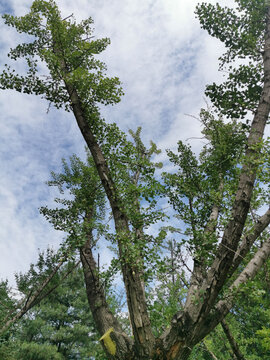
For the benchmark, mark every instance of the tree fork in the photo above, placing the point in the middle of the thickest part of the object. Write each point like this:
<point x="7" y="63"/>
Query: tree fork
<point x="223" y="307"/>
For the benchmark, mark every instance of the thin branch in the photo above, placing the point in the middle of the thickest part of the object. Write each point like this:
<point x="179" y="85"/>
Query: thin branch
<point x="69" y="16"/>
<point x="57" y="285"/>
<point x="249" y="240"/>
<point x="30" y="301"/>
<point x="205" y="347"/>
<point x="235" y="348"/>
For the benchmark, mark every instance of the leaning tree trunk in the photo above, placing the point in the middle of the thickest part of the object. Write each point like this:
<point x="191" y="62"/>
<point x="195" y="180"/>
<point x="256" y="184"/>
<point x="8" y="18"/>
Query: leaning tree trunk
<point x="141" y="327"/>
<point x="144" y="340"/>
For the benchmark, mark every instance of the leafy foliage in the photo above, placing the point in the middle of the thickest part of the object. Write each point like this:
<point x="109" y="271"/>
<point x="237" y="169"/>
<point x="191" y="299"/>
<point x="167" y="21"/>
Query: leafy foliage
<point x="198" y="183"/>
<point x="60" y="327"/>
<point x="85" y="195"/>
<point x="120" y="171"/>
<point x="242" y="32"/>
<point x="75" y="43"/>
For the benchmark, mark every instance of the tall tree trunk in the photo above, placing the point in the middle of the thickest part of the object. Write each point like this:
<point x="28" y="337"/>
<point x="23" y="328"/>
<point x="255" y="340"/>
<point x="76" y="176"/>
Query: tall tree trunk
<point x="140" y="321"/>
<point x="141" y="326"/>
<point x="218" y="272"/>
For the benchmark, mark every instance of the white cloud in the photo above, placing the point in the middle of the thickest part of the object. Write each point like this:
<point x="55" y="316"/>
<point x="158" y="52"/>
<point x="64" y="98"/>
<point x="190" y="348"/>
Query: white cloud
<point x="164" y="61"/>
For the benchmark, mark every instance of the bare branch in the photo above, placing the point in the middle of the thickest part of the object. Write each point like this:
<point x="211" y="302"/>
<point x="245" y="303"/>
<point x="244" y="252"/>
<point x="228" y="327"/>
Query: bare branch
<point x="69" y="16"/>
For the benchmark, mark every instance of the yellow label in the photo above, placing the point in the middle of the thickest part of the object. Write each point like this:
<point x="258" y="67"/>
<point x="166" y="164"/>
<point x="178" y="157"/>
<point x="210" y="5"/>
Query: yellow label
<point x="108" y="342"/>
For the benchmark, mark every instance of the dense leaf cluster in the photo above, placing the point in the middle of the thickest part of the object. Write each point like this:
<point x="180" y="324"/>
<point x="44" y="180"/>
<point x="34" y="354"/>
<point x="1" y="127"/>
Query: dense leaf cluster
<point x="242" y="32"/>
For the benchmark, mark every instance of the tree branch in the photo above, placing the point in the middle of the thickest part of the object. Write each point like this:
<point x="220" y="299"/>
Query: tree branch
<point x="235" y="348"/>
<point x="249" y="240"/>
<point x="199" y="270"/>
<point x="223" y="307"/>
<point x="31" y="300"/>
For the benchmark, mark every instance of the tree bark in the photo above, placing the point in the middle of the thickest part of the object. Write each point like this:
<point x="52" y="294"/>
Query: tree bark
<point x="178" y="341"/>
<point x="249" y="240"/>
<point x="103" y="317"/>
<point x="223" y="306"/>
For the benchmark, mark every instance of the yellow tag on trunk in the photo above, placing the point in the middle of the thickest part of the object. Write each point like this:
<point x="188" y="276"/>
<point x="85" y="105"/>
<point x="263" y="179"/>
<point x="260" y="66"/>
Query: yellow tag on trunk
<point x="109" y="344"/>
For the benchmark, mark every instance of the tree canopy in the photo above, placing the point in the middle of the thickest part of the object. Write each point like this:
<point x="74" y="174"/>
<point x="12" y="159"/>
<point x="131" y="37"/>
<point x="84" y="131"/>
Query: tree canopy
<point x="219" y="199"/>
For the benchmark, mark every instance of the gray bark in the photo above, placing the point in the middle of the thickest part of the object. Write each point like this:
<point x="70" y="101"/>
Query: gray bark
<point x="102" y="315"/>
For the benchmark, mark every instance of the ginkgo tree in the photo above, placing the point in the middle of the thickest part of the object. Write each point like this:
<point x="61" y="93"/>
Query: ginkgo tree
<point x="219" y="196"/>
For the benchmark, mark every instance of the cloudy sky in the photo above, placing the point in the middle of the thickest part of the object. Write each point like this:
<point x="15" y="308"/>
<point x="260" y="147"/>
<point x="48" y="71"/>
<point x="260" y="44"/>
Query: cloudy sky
<point x="164" y="61"/>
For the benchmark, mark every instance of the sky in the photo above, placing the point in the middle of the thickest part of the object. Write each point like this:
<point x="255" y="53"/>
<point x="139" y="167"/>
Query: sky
<point x="164" y="61"/>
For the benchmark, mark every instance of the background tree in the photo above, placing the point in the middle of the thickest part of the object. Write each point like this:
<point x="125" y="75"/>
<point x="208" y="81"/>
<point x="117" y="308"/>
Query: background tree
<point x="218" y="196"/>
<point x="61" y="325"/>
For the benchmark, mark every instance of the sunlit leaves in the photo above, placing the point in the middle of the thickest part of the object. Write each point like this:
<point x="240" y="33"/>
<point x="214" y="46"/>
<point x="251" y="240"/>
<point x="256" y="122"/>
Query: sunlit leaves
<point x="201" y="182"/>
<point x="55" y="42"/>
<point x="82" y="209"/>
<point x="242" y="32"/>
